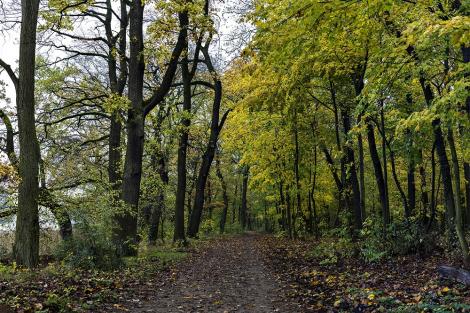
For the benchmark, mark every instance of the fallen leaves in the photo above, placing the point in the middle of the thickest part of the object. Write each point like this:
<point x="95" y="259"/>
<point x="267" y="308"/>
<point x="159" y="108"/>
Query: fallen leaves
<point x="405" y="284"/>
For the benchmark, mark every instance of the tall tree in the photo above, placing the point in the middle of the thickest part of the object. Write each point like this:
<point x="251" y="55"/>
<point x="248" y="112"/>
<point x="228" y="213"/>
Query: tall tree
<point x="26" y="248"/>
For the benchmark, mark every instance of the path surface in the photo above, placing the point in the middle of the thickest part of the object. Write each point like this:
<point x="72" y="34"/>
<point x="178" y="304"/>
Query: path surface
<point x="227" y="277"/>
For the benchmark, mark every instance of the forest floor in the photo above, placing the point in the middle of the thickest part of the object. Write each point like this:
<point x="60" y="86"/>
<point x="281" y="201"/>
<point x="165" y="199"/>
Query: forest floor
<point x="249" y="273"/>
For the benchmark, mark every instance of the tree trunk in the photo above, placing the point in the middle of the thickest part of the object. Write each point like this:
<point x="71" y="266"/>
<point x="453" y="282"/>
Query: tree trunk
<point x="397" y="181"/>
<point x="223" y="218"/>
<point x="297" y="174"/>
<point x="244" y="206"/>
<point x="423" y="188"/>
<point x="216" y="126"/>
<point x="411" y="183"/>
<point x="117" y="84"/>
<point x="466" y="166"/>
<point x="158" y="207"/>
<point x="26" y="248"/>
<point x="362" y="187"/>
<point x="179" y="235"/>
<point x="352" y="185"/>
<point x="458" y="208"/>
<point x="433" y="188"/>
<point x="442" y="156"/>
<point x="126" y="232"/>
<point x="445" y="173"/>
<point x="385" y="168"/>
<point x="234" y="203"/>
<point x="289" y="214"/>
<point x="379" y="178"/>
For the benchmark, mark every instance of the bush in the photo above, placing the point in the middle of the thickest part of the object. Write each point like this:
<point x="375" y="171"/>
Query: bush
<point x="208" y="226"/>
<point x="399" y="238"/>
<point x="89" y="249"/>
<point x="332" y="250"/>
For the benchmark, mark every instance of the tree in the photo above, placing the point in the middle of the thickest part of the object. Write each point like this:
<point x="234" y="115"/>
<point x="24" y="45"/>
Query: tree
<point x="26" y="248"/>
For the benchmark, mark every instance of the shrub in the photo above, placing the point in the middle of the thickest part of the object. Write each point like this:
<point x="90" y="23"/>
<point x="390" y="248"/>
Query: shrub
<point x="208" y="226"/>
<point x="89" y="249"/>
<point x="335" y="248"/>
<point x="399" y="238"/>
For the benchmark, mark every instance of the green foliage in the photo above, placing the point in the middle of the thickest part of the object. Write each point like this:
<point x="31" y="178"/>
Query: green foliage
<point x="90" y="248"/>
<point x="330" y="251"/>
<point x="208" y="226"/>
<point x="399" y="238"/>
<point x="56" y="303"/>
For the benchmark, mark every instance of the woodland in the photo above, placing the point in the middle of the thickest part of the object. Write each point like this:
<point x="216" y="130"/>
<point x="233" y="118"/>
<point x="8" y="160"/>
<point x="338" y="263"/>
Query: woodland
<point x="234" y="156"/>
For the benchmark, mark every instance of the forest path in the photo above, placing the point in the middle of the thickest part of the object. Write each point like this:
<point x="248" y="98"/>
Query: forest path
<point x="229" y="276"/>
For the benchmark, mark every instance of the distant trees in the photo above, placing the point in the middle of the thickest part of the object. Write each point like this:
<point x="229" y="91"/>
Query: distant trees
<point x="390" y="73"/>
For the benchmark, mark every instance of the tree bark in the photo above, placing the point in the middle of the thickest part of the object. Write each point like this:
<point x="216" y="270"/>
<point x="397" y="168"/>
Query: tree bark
<point x="117" y="84"/>
<point x="158" y="207"/>
<point x="223" y="218"/>
<point x="215" y="129"/>
<point x="458" y="208"/>
<point x="126" y="232"/>
<point x="466" y="166"/>
<point x="26" y="248"/>
<point x="179" y="235"/>
<point x="379" y="178"/>
<point x="352" y="185"/>
<point x="296" y="171"/>
<point x="411" y="182"/>
<point x="244" y="205"/>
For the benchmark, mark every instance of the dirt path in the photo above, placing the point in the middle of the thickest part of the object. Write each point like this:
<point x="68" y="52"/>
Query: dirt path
<point x="227" y="277"/>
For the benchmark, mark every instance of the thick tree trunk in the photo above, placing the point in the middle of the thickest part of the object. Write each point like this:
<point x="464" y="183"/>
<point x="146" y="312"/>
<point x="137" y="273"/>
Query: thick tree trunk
<point x="179" y="235"/>
<point x="26" y="248"/>
<point x="126" y="232"/>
